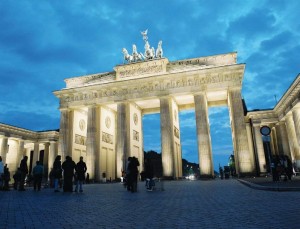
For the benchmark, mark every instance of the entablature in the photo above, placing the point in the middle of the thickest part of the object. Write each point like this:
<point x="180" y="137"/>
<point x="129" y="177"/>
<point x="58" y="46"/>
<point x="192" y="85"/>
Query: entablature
<point x="217" y="78"/>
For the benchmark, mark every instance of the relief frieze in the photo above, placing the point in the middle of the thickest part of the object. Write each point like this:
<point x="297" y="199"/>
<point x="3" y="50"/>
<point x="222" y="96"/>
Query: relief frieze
<point x="140" y="71"/>
<point x="199" y="81"/>
<point x="80" y="140"/>
<point x="108" y="138"/>
<point x="136" y="136"/>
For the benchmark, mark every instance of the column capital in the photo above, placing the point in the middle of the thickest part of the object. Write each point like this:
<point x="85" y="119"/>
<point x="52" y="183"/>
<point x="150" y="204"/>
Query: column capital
<point x="46" y="143"/>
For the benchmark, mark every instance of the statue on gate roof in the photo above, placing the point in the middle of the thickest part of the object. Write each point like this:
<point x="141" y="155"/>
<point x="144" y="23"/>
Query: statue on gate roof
<point x="149" y="53"/>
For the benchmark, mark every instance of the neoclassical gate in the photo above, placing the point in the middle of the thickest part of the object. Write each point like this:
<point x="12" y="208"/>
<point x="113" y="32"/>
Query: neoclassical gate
<point x="101" y="114"/>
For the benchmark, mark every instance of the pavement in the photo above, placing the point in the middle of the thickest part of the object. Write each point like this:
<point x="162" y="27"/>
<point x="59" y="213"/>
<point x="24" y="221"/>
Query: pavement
<point x="267" y="184"/>
<point x="174" y="204"/>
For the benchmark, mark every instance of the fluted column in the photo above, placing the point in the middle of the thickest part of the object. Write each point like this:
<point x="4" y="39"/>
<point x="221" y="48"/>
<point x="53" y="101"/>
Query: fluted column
<point x="240" y="142"/>
<point x="52" y="154"/>
<point x="292" y="137"/>
<point x="46" y="158"/>
<point x="4" y="148"/>
<point x="274" y="147"/>
<point x="20" y="152"/>
<point x="36" y="153"/>
<point x="282" y="141"/>
<point x="260" y="150"/>
<point x="203" y="136"/>
<point x="64" y="133"/>
<point x="122" y="138"/>
<point x="91" y="140"/>
<point x="296" y="118"/>
<point x="167" y="144"/>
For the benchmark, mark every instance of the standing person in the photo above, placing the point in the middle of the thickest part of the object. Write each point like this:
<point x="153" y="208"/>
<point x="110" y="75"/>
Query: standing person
<point x="133" y="170"/>
<point x="80" y="172"/>
<point x="1" y="173"/>
<point x="57" y="172"/>
<point x="149" y="173"/>
<point x="6" y="178"/>
<point x="68" y="167"/>
<point x="128" y="178"/>
<point x="37" y="173"/>
<point x="24" y="172"/>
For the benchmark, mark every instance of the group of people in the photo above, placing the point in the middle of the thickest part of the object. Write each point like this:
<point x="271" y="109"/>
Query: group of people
<point x="68" y="170"/>
<point x="132" y="172"/>
<point x="282" y="166"/>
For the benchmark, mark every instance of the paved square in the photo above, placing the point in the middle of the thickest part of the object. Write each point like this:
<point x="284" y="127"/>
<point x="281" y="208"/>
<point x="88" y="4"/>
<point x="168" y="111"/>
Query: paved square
<point x="183" y="204"/>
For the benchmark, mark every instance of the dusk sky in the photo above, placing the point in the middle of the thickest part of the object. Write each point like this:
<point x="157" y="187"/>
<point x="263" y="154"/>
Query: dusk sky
<point x="44" y="42"/>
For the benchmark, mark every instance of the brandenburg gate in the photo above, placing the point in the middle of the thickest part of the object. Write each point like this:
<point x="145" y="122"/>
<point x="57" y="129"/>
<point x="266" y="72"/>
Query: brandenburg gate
<point x="101" y="114"/>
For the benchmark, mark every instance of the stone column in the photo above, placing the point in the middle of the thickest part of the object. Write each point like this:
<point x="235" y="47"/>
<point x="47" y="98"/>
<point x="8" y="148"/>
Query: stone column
<point x="122" y="138"/>
<point x="46" y="159"/>
<point x="20" y="153"/>
<point x="203" y="136"/>
<point x="52" y="155"/>
<point x="274" y="147"/>
<point x="167" y="145"/>
<point x="260" y="150"/>
<point x="4" y="149"/>
<point x="244" y="164"/>
<point x="292" y="136"/>
<point x="36" y="153"/>
<point x="64" y="133"/>
<point x="282" y="140"/>
<point x="91" y="140"/>
<point x="296" y="118"/>
<point x="252" y="153"/>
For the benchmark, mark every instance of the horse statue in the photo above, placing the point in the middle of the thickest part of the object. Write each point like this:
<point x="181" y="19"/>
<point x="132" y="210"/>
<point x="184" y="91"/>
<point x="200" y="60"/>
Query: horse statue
<point x="149" y="52"/>
<point x="135" y="55"/>
<point x="127" y="57"/>
<point x="159" y="51"/>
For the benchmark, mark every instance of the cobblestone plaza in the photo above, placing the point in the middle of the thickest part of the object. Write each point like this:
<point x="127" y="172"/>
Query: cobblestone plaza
<point x="183" y="204"/>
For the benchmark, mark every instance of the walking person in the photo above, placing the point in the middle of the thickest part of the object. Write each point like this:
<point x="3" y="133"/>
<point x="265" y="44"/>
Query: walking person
<point x="37" y="173"/>
<point x="24" y="172"/>
<point x="68" y="167"/>
<point x="80" y="173"/>
<point x="1" y="173"/>
<point x="57" y="172"/>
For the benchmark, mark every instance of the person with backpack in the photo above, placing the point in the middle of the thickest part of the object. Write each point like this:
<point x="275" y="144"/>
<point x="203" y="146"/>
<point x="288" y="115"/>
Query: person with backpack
<point x="37" y="173"/>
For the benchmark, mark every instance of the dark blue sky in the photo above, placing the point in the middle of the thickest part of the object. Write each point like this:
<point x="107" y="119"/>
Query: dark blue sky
<point x="44" y="42"/>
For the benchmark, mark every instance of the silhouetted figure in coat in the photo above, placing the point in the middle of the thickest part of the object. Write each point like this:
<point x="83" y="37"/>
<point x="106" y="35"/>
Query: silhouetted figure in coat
<point x="149" y="173"/>
<point x="24" y="172"/>
<point x="133" y="173"/>
<point x="68" y="167"/>
<point x="57" y="172"/>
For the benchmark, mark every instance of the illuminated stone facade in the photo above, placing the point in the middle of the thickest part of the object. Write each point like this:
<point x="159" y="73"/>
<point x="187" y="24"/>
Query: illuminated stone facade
<point x="132" y="90"/>
<point x="16" y="142"/>
<point x="284" y="122"/>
